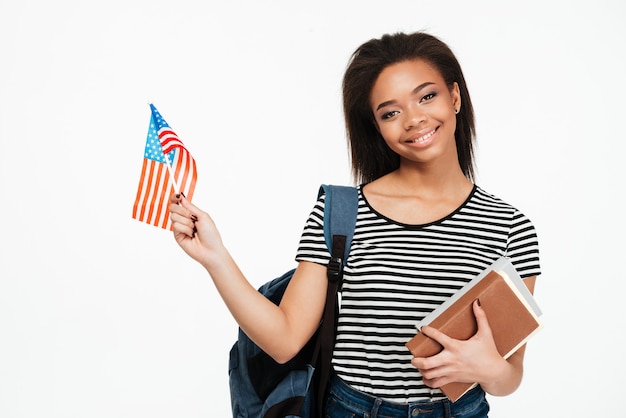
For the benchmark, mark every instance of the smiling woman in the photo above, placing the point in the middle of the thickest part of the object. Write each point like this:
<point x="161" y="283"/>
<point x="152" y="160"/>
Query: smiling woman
<point x="423" y="230"/>
<point x="410" y="71"/>
<point x="406" y="118"/>
<point x="415" y="113"/>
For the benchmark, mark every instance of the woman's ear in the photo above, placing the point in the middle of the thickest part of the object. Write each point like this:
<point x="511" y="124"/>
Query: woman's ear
<point x="455" y="93"/>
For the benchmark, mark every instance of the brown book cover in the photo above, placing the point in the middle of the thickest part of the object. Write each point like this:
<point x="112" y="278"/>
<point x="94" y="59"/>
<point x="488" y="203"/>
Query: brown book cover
<point x="511" y="318"/>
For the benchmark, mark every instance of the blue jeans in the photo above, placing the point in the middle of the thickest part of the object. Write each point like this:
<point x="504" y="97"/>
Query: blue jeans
<point x="345" y="402"/>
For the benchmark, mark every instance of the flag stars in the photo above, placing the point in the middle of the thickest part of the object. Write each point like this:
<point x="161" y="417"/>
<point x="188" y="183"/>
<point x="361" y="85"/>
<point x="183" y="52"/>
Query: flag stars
<point x="153" y="149"/>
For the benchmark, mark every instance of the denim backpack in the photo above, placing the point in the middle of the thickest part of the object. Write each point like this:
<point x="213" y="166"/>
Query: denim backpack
<point x="263" y="388"/>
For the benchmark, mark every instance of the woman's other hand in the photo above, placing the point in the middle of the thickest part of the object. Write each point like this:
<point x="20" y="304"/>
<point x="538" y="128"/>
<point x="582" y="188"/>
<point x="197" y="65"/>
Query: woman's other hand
<point x="473" y="360"/>
<point x="194" y="230"/>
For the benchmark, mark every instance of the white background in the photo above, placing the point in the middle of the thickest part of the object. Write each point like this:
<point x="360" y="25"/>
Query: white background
<point x="103" y="316"/>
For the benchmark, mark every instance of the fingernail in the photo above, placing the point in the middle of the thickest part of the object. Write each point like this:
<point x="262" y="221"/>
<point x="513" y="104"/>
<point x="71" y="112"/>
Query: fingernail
<point x="177" y="195"/>
<point x="183" y="195"/>
<point x="194" y="217"/>
<point x="478" y="301"/>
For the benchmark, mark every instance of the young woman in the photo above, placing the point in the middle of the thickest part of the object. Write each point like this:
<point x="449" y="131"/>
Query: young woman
<point x="423" y="230"/>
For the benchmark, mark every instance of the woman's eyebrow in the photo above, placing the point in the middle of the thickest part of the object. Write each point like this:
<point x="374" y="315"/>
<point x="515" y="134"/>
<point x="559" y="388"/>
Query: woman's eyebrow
<point x="415" y="91"/>
<point x="421" y="86"/>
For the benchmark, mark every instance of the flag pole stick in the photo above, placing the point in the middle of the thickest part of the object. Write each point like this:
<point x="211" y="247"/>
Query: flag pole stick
<point x="171" y="170"/>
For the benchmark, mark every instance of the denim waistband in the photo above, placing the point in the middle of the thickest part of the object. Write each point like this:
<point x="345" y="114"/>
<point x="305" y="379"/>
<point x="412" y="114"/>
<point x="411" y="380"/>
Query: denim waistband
<point x="377" y="407"/>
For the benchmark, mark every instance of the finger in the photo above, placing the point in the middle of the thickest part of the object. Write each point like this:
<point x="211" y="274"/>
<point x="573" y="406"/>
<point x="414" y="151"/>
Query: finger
<point x="431" y="374"/>
<point x="424" y="364"/>
<point x="193" y="211"/>
<point x="431" y="383"/>
<point x="183" y="225"/>
<point x="178" y="213"/>
<point x="182" y="218"/>
<point x="175" y="205"/>
<point x="436" y="335"/>
<point x="175" y="198"/>
<point x="481" y="317"/>
<point x="437" y="382"/>
<point x="180" y="205"/>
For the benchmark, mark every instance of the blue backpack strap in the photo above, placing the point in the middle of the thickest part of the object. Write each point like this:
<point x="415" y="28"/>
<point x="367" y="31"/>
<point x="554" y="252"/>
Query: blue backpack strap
<point x="340" y="211"/>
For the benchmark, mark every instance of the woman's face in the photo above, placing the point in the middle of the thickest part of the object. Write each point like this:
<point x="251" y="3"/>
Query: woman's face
<point x="414" y="111"/>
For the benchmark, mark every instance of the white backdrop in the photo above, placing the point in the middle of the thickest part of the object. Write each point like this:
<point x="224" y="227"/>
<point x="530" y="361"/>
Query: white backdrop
<point x="103" y="316"/>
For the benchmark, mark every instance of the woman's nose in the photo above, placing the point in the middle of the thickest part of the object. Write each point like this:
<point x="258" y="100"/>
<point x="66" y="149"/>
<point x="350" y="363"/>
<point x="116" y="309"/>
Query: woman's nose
<point x="413" y="117"/>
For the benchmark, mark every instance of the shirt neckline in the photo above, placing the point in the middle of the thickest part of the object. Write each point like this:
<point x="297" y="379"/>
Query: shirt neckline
<point x="435" y="222"/>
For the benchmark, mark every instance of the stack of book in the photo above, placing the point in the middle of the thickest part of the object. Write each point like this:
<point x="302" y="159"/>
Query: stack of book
<point x="511" y="310"/>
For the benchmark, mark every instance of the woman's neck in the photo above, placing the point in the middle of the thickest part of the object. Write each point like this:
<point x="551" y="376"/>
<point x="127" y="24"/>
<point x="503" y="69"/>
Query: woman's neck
<point x="416" y="196"/>
<point x="432" y="181"/>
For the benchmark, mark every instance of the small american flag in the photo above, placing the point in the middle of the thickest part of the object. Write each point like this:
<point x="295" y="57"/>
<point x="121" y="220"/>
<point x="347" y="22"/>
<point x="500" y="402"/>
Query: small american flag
<point x="155" y="184"/>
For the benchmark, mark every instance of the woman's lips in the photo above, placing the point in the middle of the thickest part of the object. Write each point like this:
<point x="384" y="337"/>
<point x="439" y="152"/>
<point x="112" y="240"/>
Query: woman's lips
<point x="422" y="138"/>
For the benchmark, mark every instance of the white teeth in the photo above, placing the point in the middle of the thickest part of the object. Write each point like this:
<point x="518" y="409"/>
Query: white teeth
<point x="424" y="138"/>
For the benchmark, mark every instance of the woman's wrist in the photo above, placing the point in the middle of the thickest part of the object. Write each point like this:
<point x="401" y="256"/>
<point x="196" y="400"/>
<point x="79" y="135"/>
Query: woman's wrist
<point x="503" y="379"/>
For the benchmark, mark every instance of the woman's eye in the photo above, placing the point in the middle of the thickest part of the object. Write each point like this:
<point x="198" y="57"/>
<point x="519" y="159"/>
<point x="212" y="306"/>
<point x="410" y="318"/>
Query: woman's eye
<point x="388" y="115"/>
<point x="428" y="97"/>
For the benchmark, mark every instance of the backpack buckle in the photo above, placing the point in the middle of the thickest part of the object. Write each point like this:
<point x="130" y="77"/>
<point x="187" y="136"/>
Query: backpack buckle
<point x="335" y="269"/>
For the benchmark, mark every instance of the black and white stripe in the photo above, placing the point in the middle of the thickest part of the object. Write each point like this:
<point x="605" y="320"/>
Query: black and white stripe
<point x="398" y="273"/>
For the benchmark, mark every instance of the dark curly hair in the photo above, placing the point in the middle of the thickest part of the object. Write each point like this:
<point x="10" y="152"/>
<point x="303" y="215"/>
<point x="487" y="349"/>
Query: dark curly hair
<point x="371" y="157"/>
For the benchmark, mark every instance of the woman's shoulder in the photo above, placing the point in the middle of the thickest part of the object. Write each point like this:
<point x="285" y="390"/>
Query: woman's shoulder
<point x="482" y="195"/>
<point x="380" y="186"/>
<point x="496" y="205"/>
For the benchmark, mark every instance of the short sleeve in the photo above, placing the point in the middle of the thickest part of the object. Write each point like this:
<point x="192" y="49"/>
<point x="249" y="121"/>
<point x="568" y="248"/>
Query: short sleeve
<point x="523" y="246"/>
<point x="312" y="246"/>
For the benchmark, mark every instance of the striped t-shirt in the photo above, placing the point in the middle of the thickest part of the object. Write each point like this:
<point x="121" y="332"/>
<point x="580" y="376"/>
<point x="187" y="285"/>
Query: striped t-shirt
<point x="397" y="273"/>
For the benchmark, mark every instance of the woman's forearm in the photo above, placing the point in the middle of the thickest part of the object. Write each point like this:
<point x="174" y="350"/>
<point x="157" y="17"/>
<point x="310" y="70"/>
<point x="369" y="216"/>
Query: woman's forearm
<point x="271" y="327"/>
<point x="506" y="376"/>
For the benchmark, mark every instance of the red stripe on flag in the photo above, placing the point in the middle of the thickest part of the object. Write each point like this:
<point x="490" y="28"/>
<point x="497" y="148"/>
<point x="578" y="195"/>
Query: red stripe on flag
<point x="153" y="195"/>
<point x="146" y="191"/>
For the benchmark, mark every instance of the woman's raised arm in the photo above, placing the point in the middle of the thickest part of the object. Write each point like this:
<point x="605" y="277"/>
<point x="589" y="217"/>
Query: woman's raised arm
<point x="281" y="331"/>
